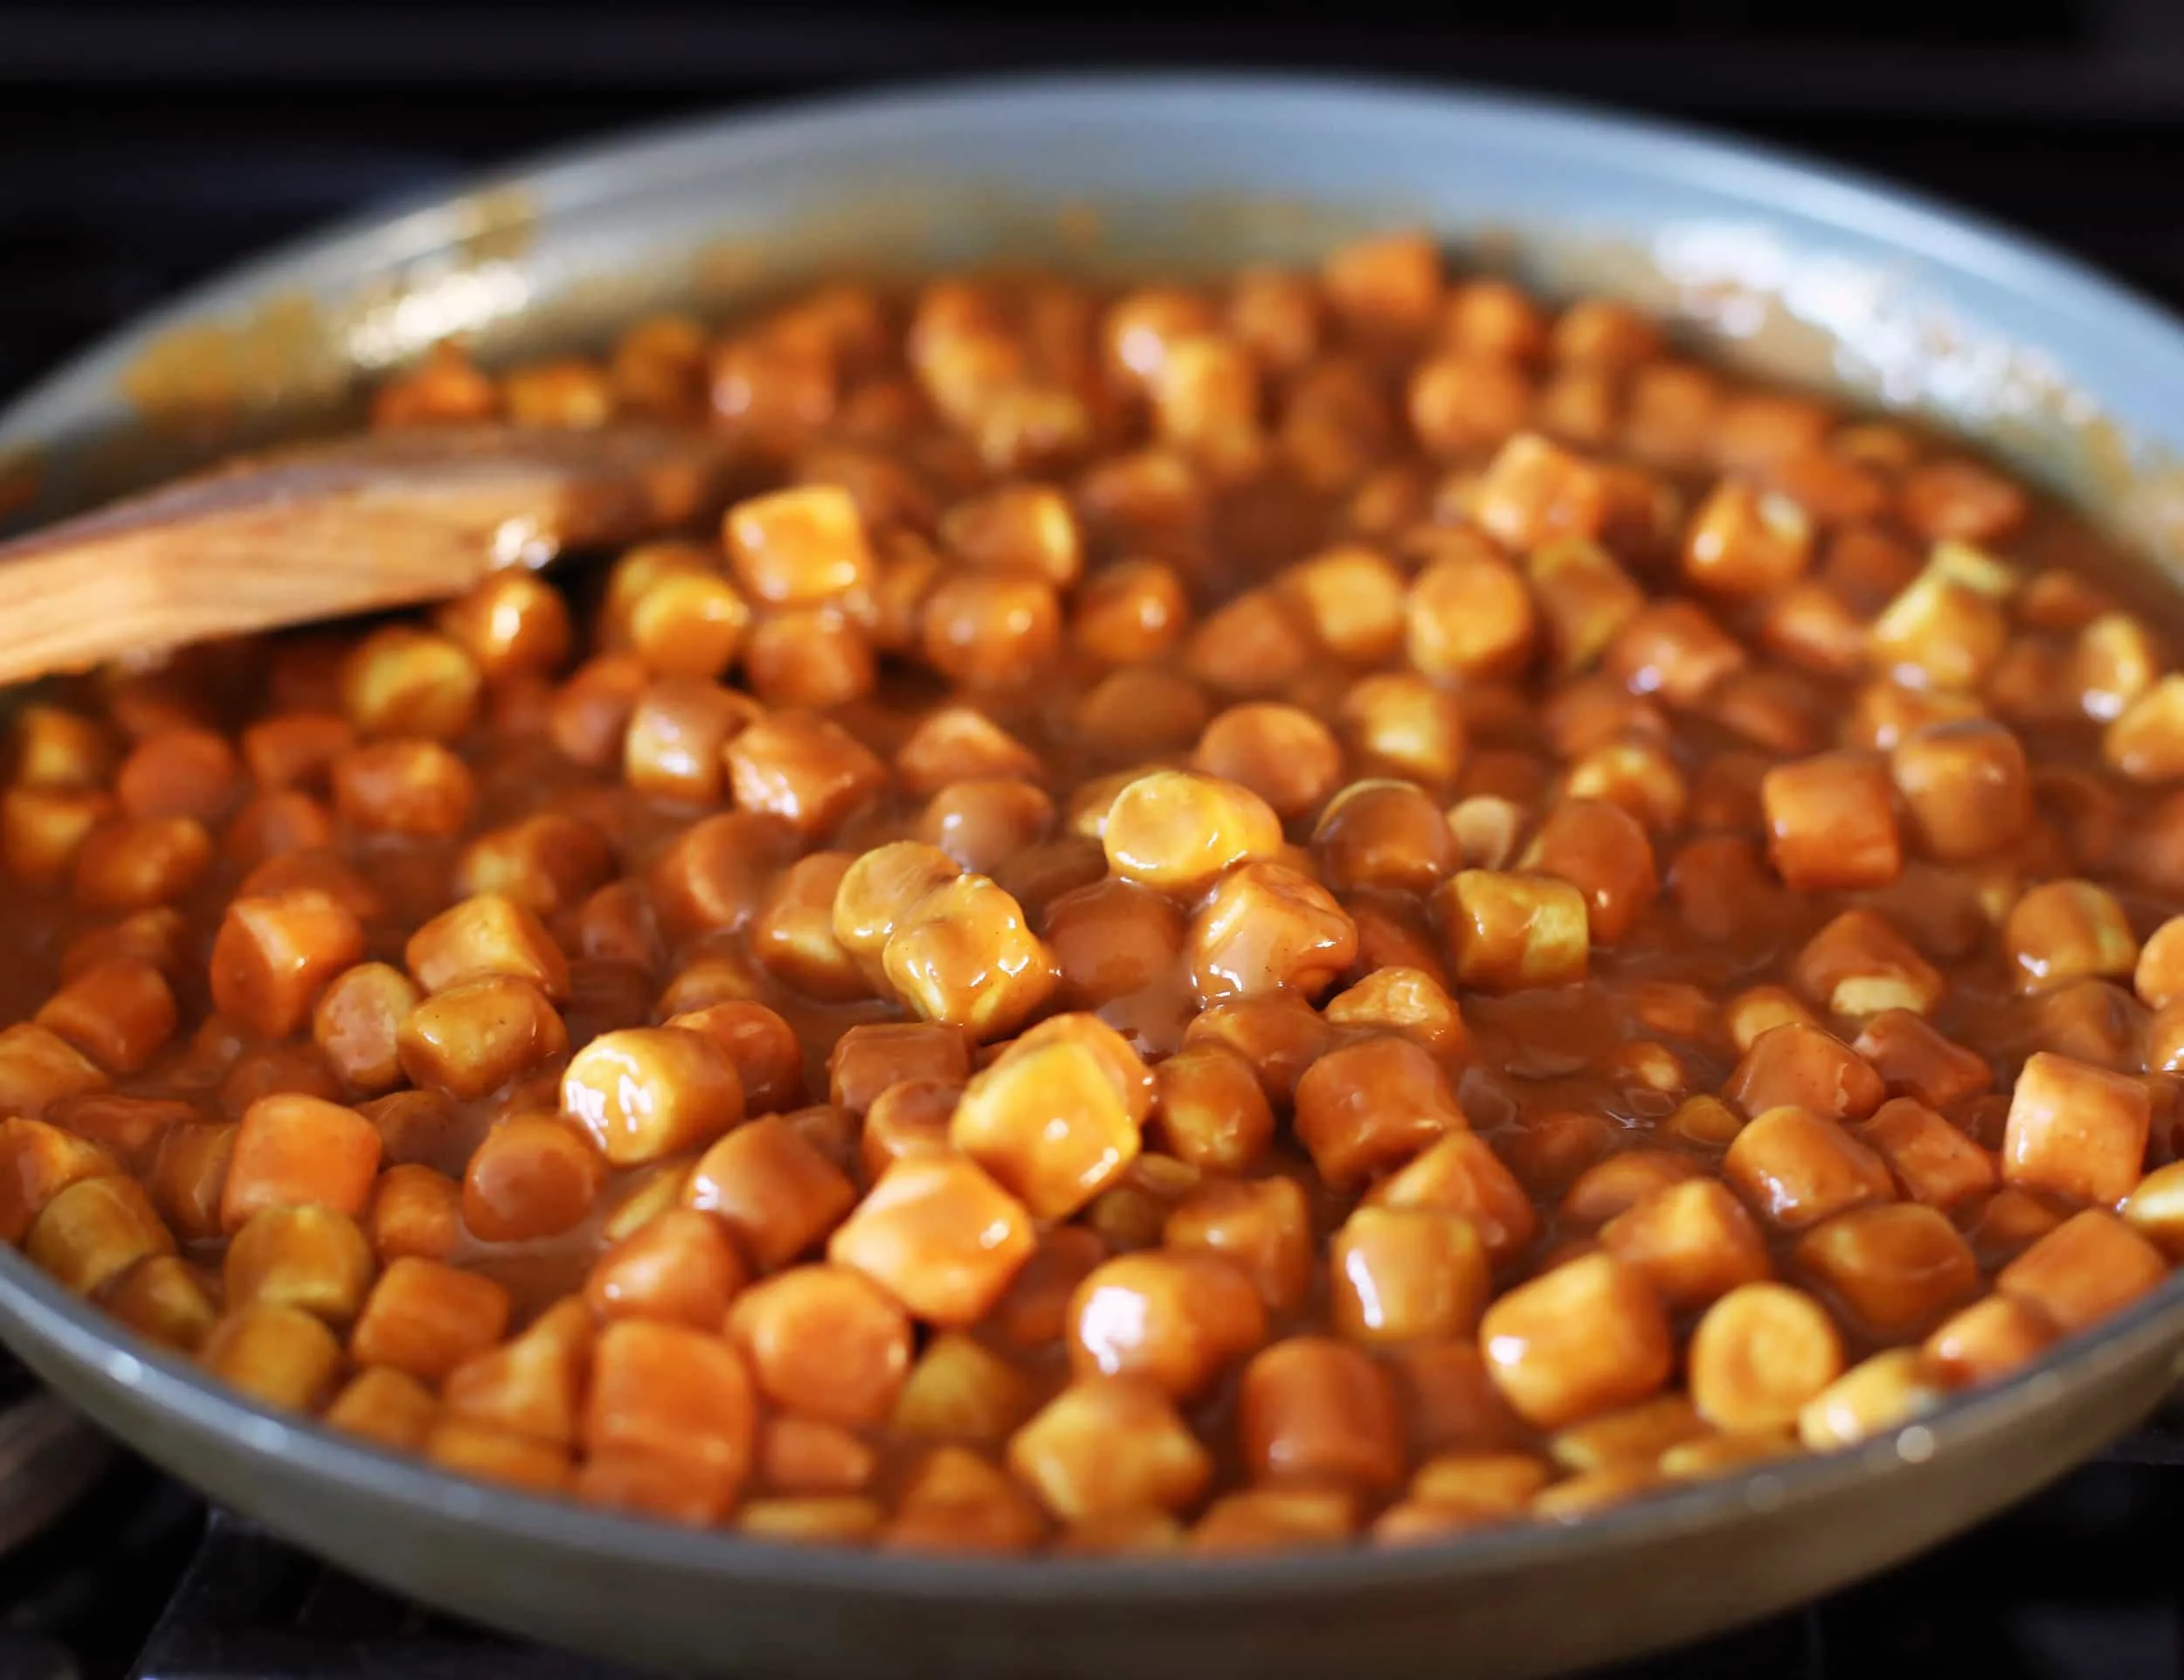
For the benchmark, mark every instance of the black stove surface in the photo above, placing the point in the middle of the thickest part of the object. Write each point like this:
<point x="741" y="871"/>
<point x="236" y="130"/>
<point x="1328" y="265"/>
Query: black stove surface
<point x="141" y="150"/>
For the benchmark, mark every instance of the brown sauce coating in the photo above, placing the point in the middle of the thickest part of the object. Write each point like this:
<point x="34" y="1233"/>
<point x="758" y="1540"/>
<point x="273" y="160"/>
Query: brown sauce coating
<point x="1216" y="917"/>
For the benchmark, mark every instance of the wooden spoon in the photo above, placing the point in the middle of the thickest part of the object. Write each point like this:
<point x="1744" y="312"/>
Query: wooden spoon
<point x="319" y="530"/>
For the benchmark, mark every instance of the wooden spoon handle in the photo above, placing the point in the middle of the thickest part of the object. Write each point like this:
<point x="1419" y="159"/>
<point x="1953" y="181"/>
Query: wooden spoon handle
<point x="321" y="531"/>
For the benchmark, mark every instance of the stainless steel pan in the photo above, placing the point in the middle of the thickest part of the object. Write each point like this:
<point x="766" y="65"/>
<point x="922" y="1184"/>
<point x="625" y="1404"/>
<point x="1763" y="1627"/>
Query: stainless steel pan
<point x="1799" y="270"/>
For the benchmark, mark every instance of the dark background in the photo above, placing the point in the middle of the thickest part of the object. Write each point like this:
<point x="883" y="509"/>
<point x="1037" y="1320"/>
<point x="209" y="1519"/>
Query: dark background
<point x="142" y="146"/>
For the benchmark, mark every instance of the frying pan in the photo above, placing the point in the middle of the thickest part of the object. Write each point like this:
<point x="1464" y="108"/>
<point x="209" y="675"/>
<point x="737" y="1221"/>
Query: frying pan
<point x="1798" y="270"/>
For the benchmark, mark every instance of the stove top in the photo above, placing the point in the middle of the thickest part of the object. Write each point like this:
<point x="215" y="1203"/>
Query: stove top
<point x="141" y="150"/>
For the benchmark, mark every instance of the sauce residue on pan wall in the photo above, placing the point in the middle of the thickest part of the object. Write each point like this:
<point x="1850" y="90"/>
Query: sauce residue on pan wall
<point x="495" y="280"/>
<point x="1875" y="332"/>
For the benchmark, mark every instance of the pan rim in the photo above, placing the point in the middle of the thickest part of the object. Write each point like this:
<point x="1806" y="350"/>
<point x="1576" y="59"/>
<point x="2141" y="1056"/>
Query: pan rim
<point x="1961" y="1424"/>
<point x="567" y="178"/>
<point x="584" y="173"/>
